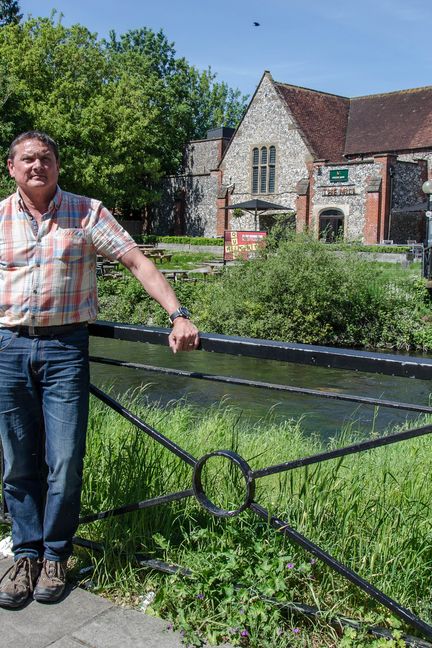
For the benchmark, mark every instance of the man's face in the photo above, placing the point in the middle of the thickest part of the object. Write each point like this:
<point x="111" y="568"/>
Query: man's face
<point x="34" y="168"/>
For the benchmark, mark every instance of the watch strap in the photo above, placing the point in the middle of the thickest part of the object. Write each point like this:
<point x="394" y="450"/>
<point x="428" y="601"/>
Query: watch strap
<point x="182" y="311"/>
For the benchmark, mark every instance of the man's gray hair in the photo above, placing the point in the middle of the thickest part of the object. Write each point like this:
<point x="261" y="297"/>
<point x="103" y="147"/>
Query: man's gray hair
<point x="37" y="135"/>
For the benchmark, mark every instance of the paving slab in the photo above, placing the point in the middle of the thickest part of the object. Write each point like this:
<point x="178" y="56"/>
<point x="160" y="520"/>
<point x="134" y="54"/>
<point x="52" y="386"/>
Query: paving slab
<point x="122" y="627"/>
<point x="68" y="642"/>
<point x="37" y="625"/>
<point x="82" y="620"/>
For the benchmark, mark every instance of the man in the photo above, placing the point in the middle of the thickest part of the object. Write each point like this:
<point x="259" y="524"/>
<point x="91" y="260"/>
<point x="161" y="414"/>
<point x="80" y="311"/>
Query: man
<point x="48" y="245"/>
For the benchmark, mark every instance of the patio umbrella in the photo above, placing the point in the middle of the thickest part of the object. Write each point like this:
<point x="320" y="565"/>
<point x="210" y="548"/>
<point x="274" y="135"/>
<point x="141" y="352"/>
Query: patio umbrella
<point x="256" y="205"/>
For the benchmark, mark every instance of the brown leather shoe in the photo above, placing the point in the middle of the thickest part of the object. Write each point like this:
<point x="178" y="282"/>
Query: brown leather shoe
<point x="18" y="582"/>
<point x="51" y="582"/>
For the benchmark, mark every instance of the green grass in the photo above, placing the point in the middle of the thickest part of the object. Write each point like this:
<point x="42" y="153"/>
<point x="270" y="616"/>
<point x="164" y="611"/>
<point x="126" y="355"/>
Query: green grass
<point x="397" y="271"/>
<point x="371" y="511"/>
<point x="186" y="260"/>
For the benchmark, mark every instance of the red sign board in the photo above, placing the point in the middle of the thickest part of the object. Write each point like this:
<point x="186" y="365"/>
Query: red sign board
<point x="242" y="245"/>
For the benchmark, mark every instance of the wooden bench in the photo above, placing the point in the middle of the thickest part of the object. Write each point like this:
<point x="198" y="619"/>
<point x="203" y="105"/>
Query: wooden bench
<point x="107" y="269"/>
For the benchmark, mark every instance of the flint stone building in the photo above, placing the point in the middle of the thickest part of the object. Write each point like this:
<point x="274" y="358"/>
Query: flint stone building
<point x="347" y="167"/>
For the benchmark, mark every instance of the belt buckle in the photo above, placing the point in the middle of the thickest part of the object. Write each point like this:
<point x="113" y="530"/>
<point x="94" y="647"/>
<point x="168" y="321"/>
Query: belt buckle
<point x="32" y="330"/>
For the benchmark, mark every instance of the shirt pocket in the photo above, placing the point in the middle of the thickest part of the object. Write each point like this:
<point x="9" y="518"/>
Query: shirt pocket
<point x="69" y="245"/>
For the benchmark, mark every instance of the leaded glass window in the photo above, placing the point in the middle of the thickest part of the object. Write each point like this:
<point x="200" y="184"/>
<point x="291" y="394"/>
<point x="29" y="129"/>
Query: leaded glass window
<point x="263" y="169"/>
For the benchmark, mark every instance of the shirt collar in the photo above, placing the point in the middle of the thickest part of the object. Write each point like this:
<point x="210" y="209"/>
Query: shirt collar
<point x="52" y="207"/>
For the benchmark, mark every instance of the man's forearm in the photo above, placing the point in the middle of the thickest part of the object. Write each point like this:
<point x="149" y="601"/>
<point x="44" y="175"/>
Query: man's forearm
<point x="184" y="335"/>
<point x="153" y="281"/>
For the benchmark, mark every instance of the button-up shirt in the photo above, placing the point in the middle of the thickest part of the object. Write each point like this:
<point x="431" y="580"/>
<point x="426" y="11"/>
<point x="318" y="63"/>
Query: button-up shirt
<point x="48" y="273"/>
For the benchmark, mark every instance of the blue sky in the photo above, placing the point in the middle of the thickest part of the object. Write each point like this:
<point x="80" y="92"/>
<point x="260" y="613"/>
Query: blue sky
<point x="348" y="47"/>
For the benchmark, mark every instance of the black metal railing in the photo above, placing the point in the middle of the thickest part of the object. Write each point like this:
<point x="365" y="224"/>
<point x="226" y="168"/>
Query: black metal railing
<point x="406" y="366"/>
<point x="427" y="262"/>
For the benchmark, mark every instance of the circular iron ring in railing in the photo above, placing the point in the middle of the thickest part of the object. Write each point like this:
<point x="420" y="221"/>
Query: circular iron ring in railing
<point x="199" y="490"/>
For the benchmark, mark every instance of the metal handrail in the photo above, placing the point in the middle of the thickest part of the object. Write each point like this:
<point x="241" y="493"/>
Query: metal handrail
<point x="308" y="354"/>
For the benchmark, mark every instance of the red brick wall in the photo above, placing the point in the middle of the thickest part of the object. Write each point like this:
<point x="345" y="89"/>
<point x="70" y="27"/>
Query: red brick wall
<point x="386" y="161"/>
<point x="302" y="215"/>
<point x="371" y="230"/>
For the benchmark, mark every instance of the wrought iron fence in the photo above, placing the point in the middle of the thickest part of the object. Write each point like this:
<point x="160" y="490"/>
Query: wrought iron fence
<point x="427" y="262"/>
<point x="406" y="366"/>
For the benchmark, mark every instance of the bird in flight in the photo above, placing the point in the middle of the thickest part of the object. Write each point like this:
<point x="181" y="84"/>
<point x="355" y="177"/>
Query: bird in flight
<point x="255" y="23"/>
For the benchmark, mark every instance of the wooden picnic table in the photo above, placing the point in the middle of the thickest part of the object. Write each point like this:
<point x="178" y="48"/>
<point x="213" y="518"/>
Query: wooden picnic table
<point x="106" y="268"/>
<point x="147" y="246"/>
<point x="176" y="274"/>
<point x="188" y="275"/>
<point x="158" y="254"/>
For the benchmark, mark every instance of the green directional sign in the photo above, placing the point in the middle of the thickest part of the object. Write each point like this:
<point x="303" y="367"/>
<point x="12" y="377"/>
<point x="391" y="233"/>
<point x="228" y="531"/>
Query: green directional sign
<point x="339" y="175"/>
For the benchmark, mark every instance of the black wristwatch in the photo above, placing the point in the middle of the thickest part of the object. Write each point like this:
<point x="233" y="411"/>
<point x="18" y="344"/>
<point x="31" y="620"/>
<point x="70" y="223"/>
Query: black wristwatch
<point x="182" y="311"/>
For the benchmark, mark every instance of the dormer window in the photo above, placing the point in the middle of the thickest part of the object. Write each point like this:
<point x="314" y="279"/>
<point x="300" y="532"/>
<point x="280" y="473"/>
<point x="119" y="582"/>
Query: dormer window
<point x="263" y="169"/>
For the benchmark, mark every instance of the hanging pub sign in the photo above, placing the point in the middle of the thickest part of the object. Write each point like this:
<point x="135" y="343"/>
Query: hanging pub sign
<point x="242" y="245"/>
<point x="339" y="175"/>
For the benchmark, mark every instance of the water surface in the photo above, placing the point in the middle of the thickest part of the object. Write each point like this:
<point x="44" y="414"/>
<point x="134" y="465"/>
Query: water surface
<point x="323" y="416"/>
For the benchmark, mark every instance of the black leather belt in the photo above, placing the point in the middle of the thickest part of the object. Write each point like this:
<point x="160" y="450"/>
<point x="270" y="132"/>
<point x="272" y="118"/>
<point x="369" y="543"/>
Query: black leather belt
<point x="47" y="331"/>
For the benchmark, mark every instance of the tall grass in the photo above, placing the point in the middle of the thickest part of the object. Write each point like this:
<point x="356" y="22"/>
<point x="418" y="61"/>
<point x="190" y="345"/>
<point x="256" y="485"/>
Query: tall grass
<point x="371" y="511"/>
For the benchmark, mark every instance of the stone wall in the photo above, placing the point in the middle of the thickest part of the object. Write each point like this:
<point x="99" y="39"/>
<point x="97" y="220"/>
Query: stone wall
<point x="349" y="197"/>
<point x="196" y="187"/>
<point x="199" y="193"/>
<point x="418" y="155"/>
<point x="201" y="156"/>
<point x="407" y="184"/>
<point x="406" y="192"/>
<point x="266" y="123"/>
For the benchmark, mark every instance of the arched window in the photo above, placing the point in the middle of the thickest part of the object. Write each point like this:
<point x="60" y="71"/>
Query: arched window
<point x="255" y="170"/>
<point x="272" y="169"/>
<point x="263" y="170"/>
<point x="331" y="225"/>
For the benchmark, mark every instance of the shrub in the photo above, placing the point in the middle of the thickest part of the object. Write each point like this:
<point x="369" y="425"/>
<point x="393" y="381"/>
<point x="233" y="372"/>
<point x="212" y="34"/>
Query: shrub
<point x="191" y="240"/>
<point x="301" y="291"/>
<point x="180" y="240"/>
<point x="304" y="292"/>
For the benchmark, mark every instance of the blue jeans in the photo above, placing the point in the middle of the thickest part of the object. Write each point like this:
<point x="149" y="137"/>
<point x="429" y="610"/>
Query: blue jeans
<point x="44" y="395"/>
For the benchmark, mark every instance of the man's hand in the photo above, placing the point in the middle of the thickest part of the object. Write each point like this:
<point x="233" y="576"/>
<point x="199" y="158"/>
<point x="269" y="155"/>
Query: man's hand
<point x="184" y="336"/>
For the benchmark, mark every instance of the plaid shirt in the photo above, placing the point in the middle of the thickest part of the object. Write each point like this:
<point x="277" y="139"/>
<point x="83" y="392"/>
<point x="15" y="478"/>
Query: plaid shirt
<point x="48" y="274"/>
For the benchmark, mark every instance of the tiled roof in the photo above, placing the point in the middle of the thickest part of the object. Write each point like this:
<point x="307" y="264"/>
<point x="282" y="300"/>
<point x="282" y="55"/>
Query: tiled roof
<point x="395" y="121"/>
<point x="321" y="117"/>
<point x="334" y="126"/>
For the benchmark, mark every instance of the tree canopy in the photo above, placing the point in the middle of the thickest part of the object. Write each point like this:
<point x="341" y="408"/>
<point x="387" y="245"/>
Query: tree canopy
<point x="9" y="12"/>
<point x="121" y="109"/>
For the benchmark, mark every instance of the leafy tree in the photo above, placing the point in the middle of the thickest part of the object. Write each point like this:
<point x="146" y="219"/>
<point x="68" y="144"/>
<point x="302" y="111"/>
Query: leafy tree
<point x="122" y="110"/>
<point x="214" y="104"/>
<point x="57" y="72"/>
<point x="9" y="12"/>
<point x="10" y="118"/>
